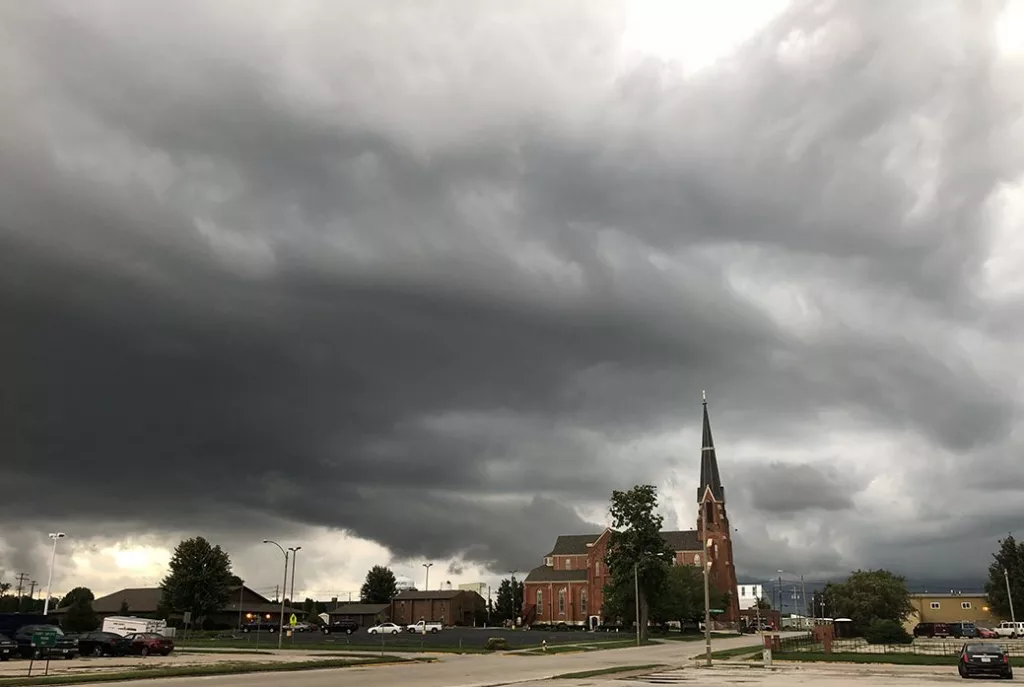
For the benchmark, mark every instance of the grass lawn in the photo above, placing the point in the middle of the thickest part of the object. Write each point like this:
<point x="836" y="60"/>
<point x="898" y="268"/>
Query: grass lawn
<point x="891" y="659"/>
<point x="579" y="648"/>
<point x="607" y="671"/>
<point x="238" y="668"/>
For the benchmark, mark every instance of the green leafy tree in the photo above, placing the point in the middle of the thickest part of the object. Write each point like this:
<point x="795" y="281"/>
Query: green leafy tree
<point x="762" y="603"/>
<point x="510" y="600"/>
<point x="4" y="588"/>
<point x="80" y="616"/>
<point x="77" y="594"/>
<point x="868" y="596"/>
<point x="380" y="586"/>
<point x="636" y="546"/>
<point x="682" y="599"/>
<point x="199" y="580"/>
<point x="1009" y="557"/>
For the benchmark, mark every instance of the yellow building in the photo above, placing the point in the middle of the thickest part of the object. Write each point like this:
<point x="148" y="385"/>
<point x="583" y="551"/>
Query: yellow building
<point x="950" y="608"/>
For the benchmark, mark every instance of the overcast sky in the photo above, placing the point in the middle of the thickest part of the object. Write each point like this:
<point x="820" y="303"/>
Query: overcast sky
<point x="421" y="281"/>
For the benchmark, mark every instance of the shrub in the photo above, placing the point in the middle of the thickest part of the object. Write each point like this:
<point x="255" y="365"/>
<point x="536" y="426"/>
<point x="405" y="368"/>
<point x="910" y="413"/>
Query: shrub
<point x="496" y="644"/>
<point x="887" y="632"/>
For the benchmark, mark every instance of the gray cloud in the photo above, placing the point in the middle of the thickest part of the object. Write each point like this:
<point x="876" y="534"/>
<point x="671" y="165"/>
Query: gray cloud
<point x="433" y="283"/>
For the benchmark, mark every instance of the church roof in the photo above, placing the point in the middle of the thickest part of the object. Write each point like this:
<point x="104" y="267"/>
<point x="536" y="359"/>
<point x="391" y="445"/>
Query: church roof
<point x="577" y="544"/>
<point x="709" y="477"/>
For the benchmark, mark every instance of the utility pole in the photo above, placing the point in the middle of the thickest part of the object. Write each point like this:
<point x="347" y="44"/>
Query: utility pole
<point x="277" y="588"/>
<point x="32" y="590"/>
<point x="22" y="577"/>
<point x="1009" y="594"/>
<point x="803" y="596"/>
<point x="636" y="596"/>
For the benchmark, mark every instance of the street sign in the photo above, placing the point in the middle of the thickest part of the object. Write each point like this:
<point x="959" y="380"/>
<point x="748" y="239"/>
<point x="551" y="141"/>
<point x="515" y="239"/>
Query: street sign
<point x="186" y="617"/>
<point x="44" y="638"/>
<point x="293" y="621"/>
<point x="716" y="611"/>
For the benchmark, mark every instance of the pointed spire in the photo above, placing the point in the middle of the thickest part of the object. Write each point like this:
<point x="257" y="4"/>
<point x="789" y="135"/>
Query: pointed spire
<point x="709" y="461"/>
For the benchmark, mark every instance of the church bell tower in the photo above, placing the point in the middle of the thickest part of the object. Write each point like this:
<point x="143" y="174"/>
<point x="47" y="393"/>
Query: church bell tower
<point x="713" y="523"/>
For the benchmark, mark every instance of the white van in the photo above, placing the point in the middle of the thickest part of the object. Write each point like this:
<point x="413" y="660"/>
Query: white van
<point x="1010" y="629"/>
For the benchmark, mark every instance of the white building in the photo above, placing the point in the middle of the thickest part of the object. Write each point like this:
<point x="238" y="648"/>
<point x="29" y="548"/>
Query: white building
<point x="478" y="587"/>
<point x="749" y="594"/>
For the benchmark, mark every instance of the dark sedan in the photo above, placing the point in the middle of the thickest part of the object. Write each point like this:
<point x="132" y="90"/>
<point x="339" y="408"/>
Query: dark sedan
<point x="8" y="648"/>
<point x="103" y="644"/>
<point x="146" y="643"/>
<point x="977" y="658"/>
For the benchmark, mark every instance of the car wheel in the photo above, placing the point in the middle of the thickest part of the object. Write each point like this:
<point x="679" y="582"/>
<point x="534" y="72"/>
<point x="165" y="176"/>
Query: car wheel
<point x="394" y="632"/>
<point x="348" y="631"/>
<point x="245" y="630"/>
<point x="97" y="652"/>
<point x="273" y="630"/>
<point x="144" y="652"/>
<point x="433" y="630"/>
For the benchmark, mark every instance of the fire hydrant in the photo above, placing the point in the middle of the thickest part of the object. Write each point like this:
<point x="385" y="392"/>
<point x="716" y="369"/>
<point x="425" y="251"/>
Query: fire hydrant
<point x="544" y="644"/>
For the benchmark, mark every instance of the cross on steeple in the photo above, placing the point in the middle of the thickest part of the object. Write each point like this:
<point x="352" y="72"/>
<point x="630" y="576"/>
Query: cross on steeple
<point x="709" y="477"/>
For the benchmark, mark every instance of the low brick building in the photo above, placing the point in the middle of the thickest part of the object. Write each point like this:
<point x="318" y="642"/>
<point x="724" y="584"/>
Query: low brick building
<point x="451" y="607"/>
<point x="143" y="602"/>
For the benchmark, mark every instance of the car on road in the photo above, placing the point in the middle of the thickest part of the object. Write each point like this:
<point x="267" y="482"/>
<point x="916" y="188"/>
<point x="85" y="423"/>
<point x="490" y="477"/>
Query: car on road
<point x="385" y="628"/>
<point x="305" y="627"/>
<point x="424" y="626"/>
<point x="8" y="648"/>
<point x="103" y="644"/>
<point x="259" y="626"/>
<point x="146" y="643"/>
<point x="65" y="647"/>
<point x="341" y="625"/>
<point x="987" y="633"/>
<point x="984" y="658"/>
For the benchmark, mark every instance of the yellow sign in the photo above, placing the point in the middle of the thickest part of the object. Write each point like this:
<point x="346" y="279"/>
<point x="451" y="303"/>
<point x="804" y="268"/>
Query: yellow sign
<point x="293" y="621"/>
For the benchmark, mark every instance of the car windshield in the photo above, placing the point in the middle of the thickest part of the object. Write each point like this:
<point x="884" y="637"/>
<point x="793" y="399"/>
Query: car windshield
<point x="984" y="649"/>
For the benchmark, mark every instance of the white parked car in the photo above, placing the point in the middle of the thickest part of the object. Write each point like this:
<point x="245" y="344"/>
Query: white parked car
<point x="385" y="628"/>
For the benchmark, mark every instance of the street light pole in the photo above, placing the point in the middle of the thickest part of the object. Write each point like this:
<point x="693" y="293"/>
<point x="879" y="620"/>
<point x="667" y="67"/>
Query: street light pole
<point x="56" y="537"/>
<point x="284" y="588"/>
<point x="1009" y="595"/>
<point x="706" y="564"/>
<point x="426" y="582"/>
<point x="295" y="556"/>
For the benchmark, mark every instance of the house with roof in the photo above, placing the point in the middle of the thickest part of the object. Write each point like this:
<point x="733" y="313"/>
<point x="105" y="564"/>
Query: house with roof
<point x="365" y="615"/>
<point x="144" y="602"/>
<point x="568" y="587"/>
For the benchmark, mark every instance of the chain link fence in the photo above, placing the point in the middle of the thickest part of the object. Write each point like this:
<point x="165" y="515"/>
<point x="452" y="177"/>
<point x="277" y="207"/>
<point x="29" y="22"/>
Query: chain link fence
<point x="920" y="646"/>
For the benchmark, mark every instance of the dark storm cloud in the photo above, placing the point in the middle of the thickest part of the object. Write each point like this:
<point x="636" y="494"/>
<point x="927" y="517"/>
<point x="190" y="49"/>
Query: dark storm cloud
<point x="239" y="283"/>
<point x="784" y="488"/>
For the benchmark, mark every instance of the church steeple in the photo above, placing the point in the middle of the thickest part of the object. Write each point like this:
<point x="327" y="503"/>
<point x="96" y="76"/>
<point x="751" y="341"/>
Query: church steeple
<point x="709" y="477"/>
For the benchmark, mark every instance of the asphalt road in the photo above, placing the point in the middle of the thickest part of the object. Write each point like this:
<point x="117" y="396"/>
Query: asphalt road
<point x="469" y="670"/>
<point x="468" y="637"/>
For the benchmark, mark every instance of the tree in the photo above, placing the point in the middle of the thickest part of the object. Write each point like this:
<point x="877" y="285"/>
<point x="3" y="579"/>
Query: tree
<point x="380" y="586"/>
<point x="123" y="610"/>
<point x="1010" y="558"/>
<point x="4" y="588"/>
<point x="682" y="599"/>
<point x="868" y="596"/>
<point x="80" y="617"/>
<point x="199" y="580"/>
<point x="77" y="594"/>
<point x="636" y="547"/>
<point x="510" y="600"/>
<point x="762" y="603"/>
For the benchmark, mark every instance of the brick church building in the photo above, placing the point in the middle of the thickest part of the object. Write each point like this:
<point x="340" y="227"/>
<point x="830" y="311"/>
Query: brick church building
<point x="568" y="587"/>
